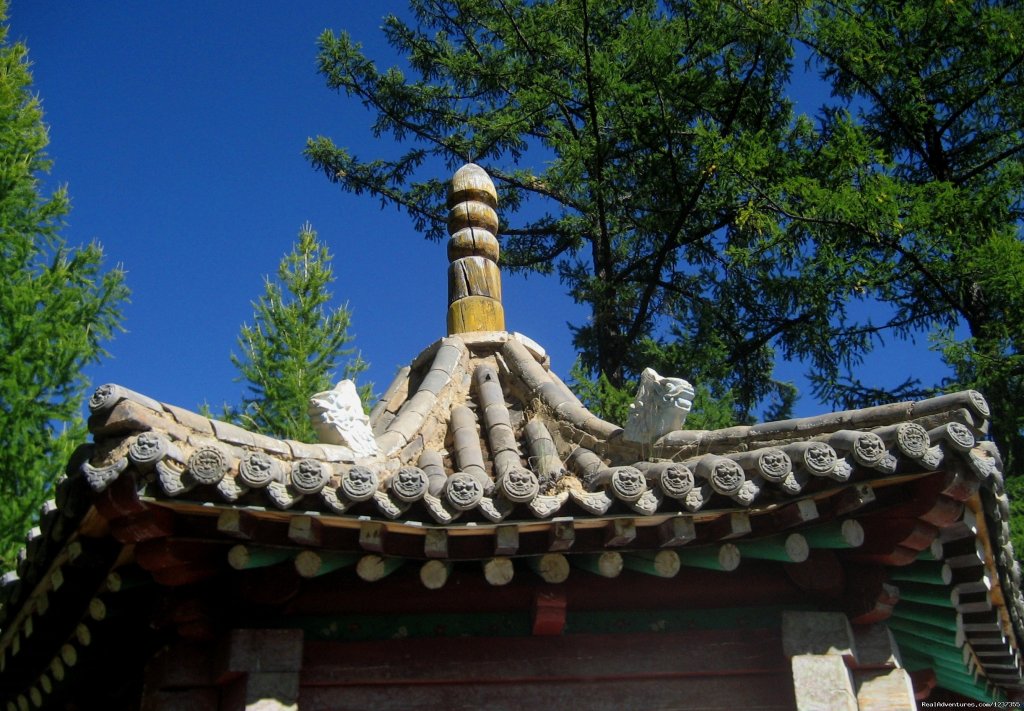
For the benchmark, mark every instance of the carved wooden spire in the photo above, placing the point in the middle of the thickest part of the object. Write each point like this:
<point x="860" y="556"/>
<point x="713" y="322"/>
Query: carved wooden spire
<point x="474" y="281"/>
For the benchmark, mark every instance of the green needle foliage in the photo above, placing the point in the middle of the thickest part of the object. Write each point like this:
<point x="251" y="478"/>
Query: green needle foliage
<point x="295" y="345"/>
<point x="614" y="132"/>
<point x="912" y="190"/>
<point x="57" y="307"/>
<point x="645" y="152"/>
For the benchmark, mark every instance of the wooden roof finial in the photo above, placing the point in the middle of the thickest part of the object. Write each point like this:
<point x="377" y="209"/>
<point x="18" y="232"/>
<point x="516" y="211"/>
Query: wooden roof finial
<point x="474" y="281"/>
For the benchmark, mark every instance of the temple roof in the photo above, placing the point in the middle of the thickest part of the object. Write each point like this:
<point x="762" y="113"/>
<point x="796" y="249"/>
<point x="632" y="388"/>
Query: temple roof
<point x="485" y="455"/>
<point x="483" y="458"/>
<point x="479" y="430"/>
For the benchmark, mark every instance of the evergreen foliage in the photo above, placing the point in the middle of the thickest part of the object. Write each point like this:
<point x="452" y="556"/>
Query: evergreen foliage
<point x="57" y="307"/>
<point x="295" y="345"/>
<point x="645" y="152"/>
<point x="614" y="132"/>
<point x="912" y="190"/>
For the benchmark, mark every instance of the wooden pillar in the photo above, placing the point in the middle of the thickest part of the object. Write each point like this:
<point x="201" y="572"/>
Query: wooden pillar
<point x="260" y="670"/>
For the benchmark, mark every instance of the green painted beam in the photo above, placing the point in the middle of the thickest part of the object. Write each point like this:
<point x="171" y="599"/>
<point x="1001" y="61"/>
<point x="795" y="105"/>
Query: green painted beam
<point x="924" y="571"/>
<point x="725" y="557"/>
<point x="930" y="650"/>
<point x="838" y="534"/>
<point x="792" y="548"/>
<point x="312" y="564"/>
<point x="662" y="564"/>
<point x="372" y="567"/>
<point x="940" y="635"/>
<point x="917" y="660"/>
<point x="934" y="595"/>
<point x="246" y="557"/>
<point x="965" y="685"/>
<point x="953" y="679"/>
<point x="932" y="552"/>
<point x="607" y="565"/>
<point x="127" y="578"/>
<point x="928" y="614"/>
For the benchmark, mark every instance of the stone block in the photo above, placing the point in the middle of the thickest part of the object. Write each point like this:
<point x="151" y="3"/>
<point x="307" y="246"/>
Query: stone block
<point x="822" y="683"/>
<point x="876" y="647"/>
<point x="890" y="690"/>
<point x="261" y="651"/>
<point x="820" y="633"/>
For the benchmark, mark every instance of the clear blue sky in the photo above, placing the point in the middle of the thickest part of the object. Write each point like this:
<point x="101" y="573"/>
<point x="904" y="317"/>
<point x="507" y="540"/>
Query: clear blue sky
<point x="179" y="129"/>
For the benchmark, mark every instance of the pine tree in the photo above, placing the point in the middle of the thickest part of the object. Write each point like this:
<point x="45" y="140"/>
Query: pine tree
<point x="295" y="345"/>
<point x="912" y="192"/>
<point x="57" y="307"/>
<point x="645" y="152"/>
<point x="614" y="132"/>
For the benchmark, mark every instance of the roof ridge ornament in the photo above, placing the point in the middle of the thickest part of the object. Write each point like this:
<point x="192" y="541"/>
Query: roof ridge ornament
<point x="337" y="417"/>
<point x="474" y="280"/>
<point x="661" y="406"/>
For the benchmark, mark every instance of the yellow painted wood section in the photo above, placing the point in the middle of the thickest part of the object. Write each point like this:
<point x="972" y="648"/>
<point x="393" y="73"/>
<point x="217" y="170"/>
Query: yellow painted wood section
<point x="473" y="276"/>
<point x="471" y="182"/>
<point x="472" y="214"/>
<point x="475" y="313"/>
<point x="473" y="242"/>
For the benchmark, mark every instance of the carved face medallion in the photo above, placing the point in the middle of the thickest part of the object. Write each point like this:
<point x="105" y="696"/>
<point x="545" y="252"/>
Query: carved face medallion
<point x="628" y="483"/>
<point x="959" y="435"/>
<point x="912" y="439"/>
<point x="774" y="464"/>
<point x="257" y="470"/>
<point x="359" y="483"/>
<point x="820" y="458"/>
<point x="208" y="464"/>
<point x="727" y="477"/>
<point x="520" y="485"/>
<point x="869" y="449"/>
<point x="463" y="491"/>
<point x="409" y="484"/>
<point x="676" y="480"/>
<point x="102" y="397"/>
<point x="978" y="400"/>
<point x="308" y="476"/>
<point x="147" y="448"/>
